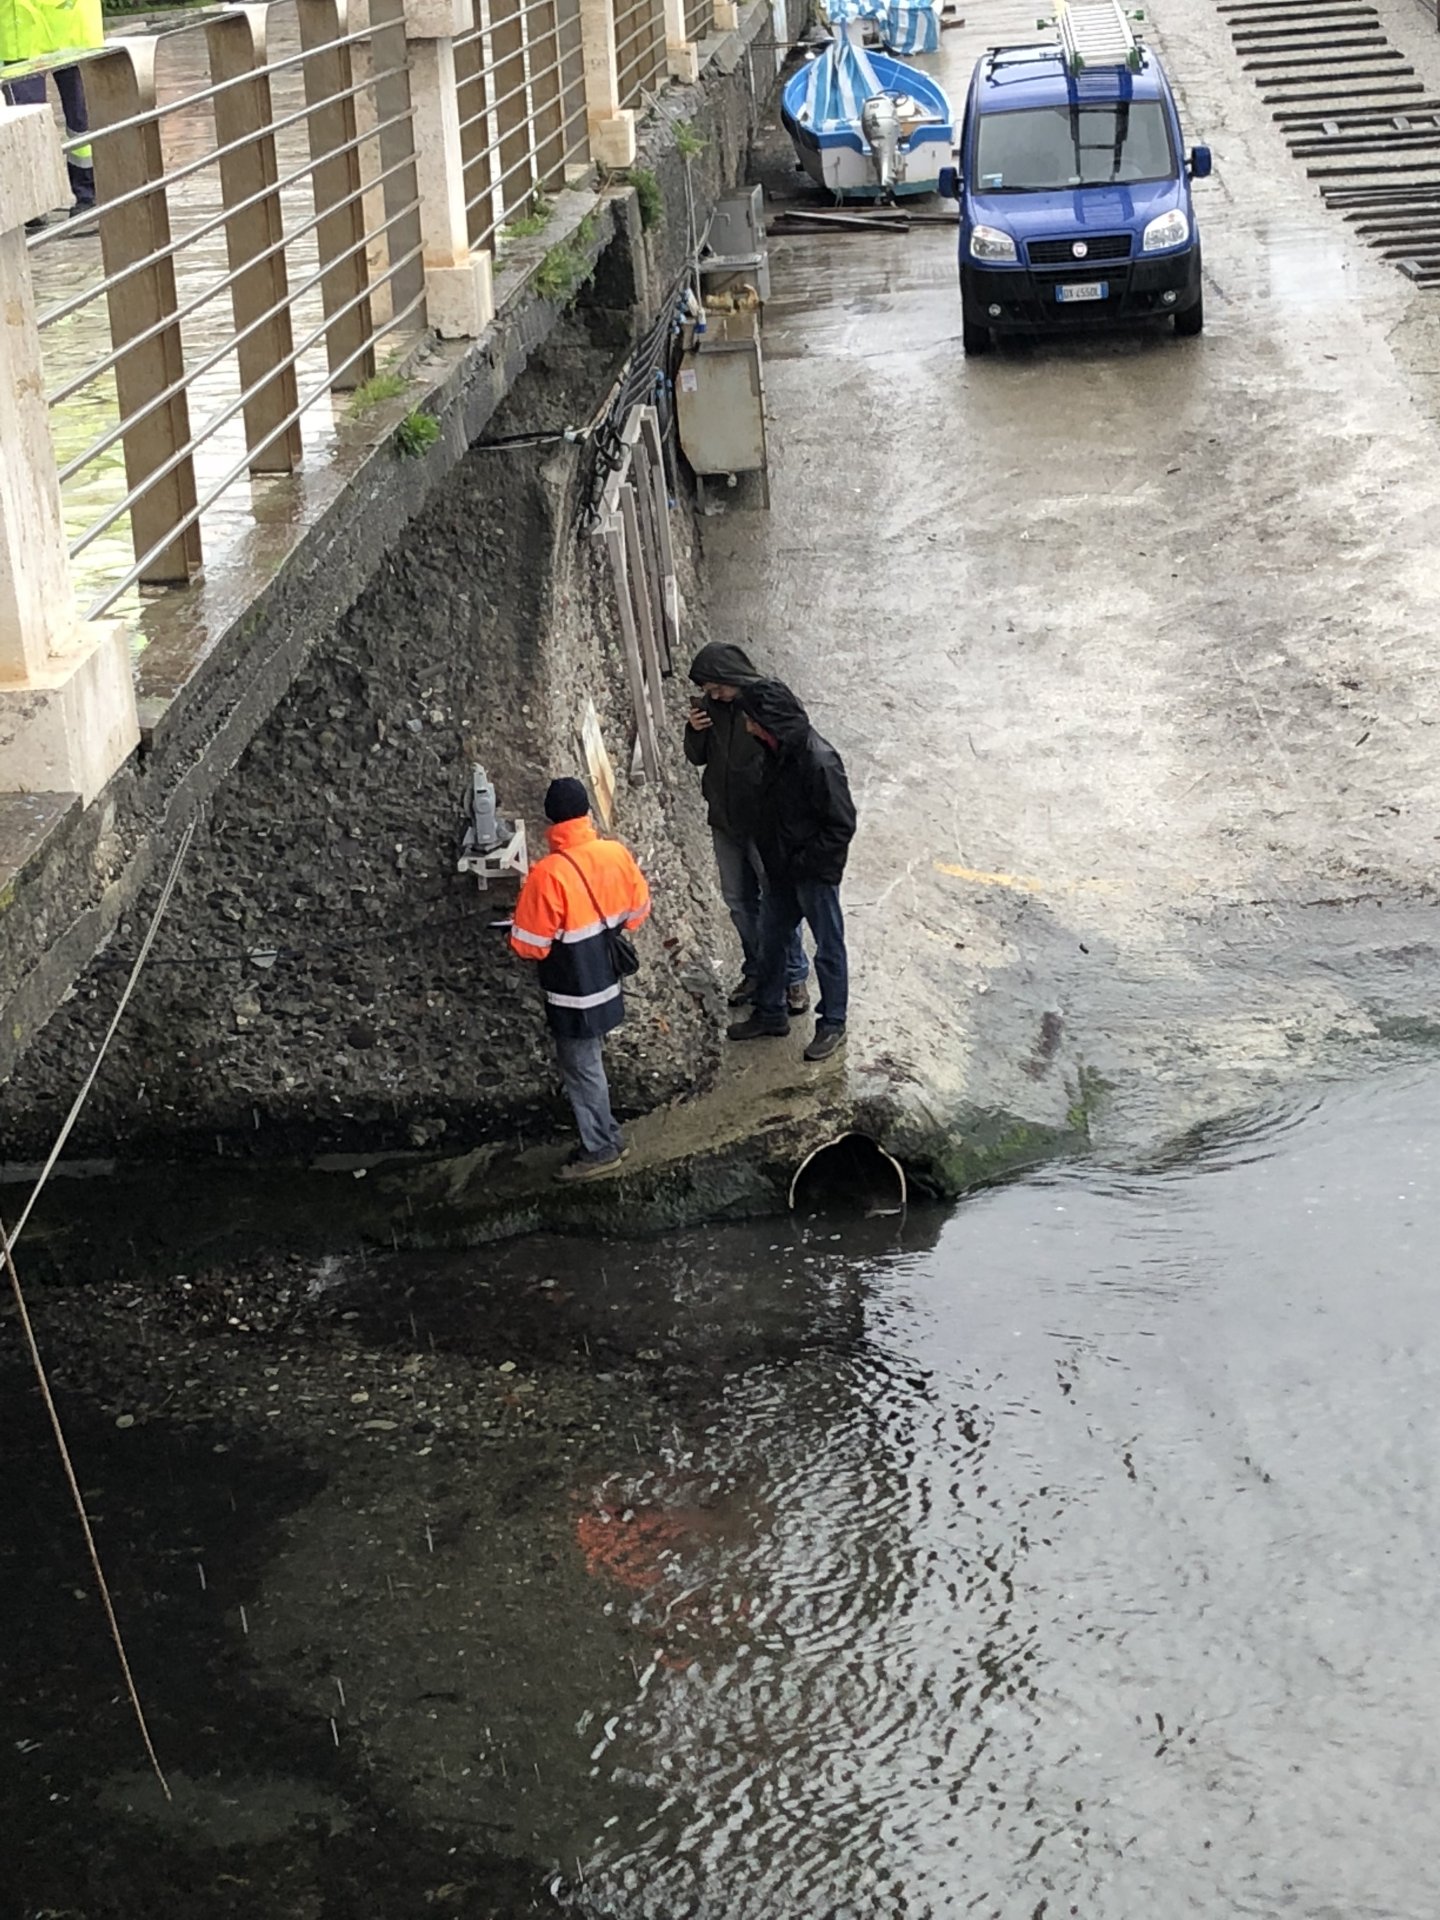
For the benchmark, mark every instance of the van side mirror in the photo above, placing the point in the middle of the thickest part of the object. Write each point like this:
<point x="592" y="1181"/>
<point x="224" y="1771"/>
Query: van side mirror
<point x="948" y="185"/>
<point x="1200" y="163"/>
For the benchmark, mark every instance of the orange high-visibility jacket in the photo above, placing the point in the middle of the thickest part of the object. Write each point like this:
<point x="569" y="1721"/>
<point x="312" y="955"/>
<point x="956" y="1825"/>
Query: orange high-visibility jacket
<point x="557" y="924"/>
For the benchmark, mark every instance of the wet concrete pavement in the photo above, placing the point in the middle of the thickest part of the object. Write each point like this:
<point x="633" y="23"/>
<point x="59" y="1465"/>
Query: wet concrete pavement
<point x="1127" y="642"/>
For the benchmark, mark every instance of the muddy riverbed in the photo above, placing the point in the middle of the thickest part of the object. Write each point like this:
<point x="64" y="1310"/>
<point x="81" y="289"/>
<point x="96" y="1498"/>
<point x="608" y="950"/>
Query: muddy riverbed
<point x="1070" y="1552"/>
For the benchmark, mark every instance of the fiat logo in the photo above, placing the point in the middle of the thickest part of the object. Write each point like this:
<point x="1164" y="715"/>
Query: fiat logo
<point x="1080" y="249"/>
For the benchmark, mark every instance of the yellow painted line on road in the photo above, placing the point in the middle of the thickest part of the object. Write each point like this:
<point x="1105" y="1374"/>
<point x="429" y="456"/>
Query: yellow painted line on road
<point x="1012" y="880"/>
<point x="1017" y="882"/>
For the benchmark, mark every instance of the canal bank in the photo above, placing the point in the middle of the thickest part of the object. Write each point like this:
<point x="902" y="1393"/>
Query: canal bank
<point x="1069" y="1549"/>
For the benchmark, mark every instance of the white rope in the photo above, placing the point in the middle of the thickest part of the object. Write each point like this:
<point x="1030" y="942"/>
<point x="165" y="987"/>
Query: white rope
<point x="7" y="1246"/>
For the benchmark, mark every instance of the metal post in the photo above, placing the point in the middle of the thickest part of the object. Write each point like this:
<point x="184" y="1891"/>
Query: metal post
<point x="253" y="237"/>
<point x="337" y="179"/>
<point x="119" y="88"/>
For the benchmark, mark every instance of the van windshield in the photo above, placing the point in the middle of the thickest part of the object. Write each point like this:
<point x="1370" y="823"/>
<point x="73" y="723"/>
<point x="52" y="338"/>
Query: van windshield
<point x="1041" y="149"/>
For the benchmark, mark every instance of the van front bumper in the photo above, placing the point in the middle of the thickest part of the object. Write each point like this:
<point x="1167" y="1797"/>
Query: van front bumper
<point x="1028" y="302"/>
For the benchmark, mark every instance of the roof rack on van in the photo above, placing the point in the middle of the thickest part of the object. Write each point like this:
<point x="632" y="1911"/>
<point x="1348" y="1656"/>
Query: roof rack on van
<point x="1097" y="34"/>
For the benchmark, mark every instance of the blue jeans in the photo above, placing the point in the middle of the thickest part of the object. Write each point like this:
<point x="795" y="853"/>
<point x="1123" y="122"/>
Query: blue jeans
<point x="30" y="92"/>
<point x="785" y="905"/>
<point x="742" y="888"/>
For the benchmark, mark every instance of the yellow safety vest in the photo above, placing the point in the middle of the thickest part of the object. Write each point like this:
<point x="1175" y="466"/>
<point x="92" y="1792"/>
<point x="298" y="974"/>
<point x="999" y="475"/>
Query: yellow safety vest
<point x="29" y="29"/>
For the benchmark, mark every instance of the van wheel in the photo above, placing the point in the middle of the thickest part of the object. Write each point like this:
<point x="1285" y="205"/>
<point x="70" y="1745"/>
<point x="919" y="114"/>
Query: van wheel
<point x="974" y="339"/>
<point x="1192" y="320"/>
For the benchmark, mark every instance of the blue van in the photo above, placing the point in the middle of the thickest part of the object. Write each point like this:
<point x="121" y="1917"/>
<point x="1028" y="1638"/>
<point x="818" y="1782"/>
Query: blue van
<point x="1074" y="187"/>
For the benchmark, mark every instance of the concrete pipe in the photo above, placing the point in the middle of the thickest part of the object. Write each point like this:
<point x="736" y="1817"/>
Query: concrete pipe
<point x="852" y="1173"/>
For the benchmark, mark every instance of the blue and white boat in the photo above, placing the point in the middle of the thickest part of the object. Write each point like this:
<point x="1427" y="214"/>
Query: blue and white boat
<point x="866" y="126"/>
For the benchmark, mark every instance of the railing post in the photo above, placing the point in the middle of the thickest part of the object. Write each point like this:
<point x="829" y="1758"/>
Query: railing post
<point x="612" y="127"/>
<point x="67" y="699"/>
<point x="459" y="295"/>
<point x="682" y="56"/>
<point x="120" y="90"/>
<point x="254" y="238"/>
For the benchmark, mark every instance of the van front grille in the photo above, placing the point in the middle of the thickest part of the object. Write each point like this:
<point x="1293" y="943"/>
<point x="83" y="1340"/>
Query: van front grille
<point x="1057" y="253"/>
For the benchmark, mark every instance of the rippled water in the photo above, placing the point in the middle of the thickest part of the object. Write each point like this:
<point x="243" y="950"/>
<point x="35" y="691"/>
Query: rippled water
<point x="1070" y="1554"/>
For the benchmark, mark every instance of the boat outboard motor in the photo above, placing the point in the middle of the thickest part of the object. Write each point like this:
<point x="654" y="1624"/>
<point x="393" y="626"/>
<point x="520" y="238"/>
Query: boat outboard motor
<point x="880" y="124"/>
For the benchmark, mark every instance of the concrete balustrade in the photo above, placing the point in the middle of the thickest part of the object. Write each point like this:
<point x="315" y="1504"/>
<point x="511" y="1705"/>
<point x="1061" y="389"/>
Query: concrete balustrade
<point x="459" y="291"/>
<point x="67" y="701"/>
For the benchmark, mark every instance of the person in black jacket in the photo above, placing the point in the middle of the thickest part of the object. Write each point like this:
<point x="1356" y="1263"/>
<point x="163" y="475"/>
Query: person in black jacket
<point x="803" y="829"/>
<point x="716" y="739"/>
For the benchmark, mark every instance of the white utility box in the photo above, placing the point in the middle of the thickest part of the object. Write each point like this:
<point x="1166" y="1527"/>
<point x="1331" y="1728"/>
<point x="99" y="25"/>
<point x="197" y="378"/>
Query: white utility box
<point x="720" y="400"/>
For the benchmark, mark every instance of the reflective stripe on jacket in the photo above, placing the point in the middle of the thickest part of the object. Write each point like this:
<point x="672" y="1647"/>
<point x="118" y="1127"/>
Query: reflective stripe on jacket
<point x="556" y="924"/>
<point x="29" y="29"/>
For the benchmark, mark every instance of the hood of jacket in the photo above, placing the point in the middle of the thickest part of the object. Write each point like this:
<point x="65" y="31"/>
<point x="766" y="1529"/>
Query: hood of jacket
<point x="724" y="665"/>
<point x="771" y="704"/>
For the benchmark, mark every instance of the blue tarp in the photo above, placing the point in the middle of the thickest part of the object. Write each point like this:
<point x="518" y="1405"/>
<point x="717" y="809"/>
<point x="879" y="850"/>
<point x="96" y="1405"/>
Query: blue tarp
<point x="838" y="83"/>
<point x="911" y="29"/>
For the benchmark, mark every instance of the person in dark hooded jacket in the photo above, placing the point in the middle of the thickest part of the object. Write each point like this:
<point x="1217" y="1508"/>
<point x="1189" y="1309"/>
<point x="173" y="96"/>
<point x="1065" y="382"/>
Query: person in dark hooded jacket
<point x="803" y="829"/>
<point x="717" y="739"/>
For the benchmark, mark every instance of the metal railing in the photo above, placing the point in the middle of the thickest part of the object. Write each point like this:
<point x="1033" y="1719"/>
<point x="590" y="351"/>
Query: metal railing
<point x="520" y="79"/>
<point x="700" y="18"/>
<point x="640" y="51"/>
<point x="278" y="187"/>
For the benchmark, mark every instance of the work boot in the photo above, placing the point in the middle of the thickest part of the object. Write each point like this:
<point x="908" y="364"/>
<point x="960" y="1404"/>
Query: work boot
<point x="797" y="997"/>
<point x="828" y="1039"/>
<point x="757" y="1029"/>
<point x="742" y="993"/>
<point x="589" y="1166"/>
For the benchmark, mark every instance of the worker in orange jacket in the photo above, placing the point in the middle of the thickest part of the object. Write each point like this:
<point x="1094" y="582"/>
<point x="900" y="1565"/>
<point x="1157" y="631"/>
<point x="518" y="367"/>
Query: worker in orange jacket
<point x="584" y="887"/>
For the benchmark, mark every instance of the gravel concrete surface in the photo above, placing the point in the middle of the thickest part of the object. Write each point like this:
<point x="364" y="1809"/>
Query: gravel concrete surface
<point x="1126" y="640"/>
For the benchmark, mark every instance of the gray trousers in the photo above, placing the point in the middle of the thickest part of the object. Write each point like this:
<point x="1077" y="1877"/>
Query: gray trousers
<point x="582" y="1068"/>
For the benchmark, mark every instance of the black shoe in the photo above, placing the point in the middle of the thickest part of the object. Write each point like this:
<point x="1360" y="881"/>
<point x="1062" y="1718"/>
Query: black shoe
<point x="82" y="220"/>
<point x="743" y="994"/>
<point x="38" y="224"/>
<point x="757" y="1029"/>
<point x="797" y="997"/>
<point x="827" y="1040"/>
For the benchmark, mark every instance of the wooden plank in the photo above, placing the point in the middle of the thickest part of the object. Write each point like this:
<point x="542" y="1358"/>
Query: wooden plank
<point x="644" y="606"/>
<point x="119" y="87"/>
<point x="660" y="489"/>
<point x="254" y="238"/>
<point x="336" y="176"/>
<point x="645" y="737"/>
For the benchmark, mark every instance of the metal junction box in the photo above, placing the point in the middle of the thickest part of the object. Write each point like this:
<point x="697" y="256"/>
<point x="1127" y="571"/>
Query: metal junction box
<point x="720" y="399"/>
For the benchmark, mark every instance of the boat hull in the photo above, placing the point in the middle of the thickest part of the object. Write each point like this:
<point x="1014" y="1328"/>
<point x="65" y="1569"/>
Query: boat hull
<point x="840" y="164"/>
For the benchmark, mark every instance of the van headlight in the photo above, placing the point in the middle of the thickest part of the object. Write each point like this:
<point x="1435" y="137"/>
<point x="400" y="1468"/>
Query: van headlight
<point x="989" y="243"/>
<point x="1168" y="230"/>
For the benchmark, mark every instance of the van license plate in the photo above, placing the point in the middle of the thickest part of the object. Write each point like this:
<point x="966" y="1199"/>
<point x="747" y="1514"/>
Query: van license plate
<point x="1082" y="290"/>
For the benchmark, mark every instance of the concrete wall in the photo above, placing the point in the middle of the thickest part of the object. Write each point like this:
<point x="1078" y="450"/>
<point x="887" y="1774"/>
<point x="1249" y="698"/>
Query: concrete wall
<point x="439" y="612"/>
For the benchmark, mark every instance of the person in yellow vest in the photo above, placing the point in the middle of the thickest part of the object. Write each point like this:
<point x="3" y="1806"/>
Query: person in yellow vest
<point x="31" y="29"/>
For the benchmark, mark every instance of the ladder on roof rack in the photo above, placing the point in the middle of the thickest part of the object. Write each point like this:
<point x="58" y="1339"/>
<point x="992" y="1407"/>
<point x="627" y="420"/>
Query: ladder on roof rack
<point x="1096" y="34"/>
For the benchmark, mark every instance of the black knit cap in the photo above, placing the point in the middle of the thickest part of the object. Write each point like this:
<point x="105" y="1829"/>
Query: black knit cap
<point x="566" y="800"/>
